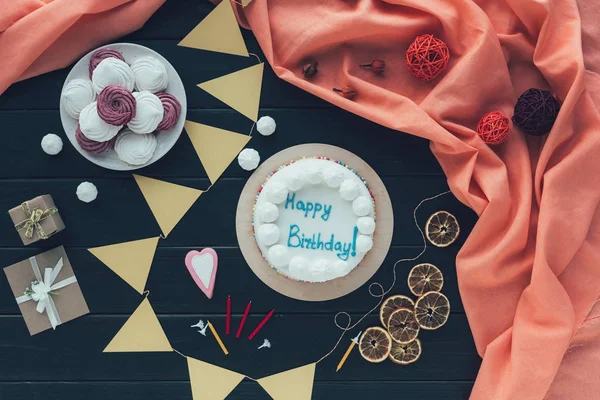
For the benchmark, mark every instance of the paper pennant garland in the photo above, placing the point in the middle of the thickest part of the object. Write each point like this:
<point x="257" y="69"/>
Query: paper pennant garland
<point x="210" y="382"/>
<point x="215" y="147"/>
<point x="141" y="332"/>
<point x="219" y="32"/>
<point x="294" y="384"/>
<point x="130" y="260"/>
<point x="245" y="2"/>
<point x="240" y="90"/>
<point x="169" y="202"/>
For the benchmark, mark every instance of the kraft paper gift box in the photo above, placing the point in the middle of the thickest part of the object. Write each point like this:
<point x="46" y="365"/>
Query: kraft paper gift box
<point x="46" y="290"/>
<point x="36" y="219"/>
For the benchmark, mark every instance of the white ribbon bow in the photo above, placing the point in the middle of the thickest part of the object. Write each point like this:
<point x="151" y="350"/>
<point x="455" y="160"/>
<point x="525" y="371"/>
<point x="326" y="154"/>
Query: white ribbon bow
<point x="43" y="288"/>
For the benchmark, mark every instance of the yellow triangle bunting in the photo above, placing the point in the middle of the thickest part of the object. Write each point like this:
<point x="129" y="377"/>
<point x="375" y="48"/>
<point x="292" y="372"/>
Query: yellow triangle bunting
<point x="167" y="201"/>
<point x="240" y="90"/>
<point x="142" y="332"/>
<point x="295" y="384"/>
<point x="210" y="382"/>
<point x="219" y="32"/>
<point x="215" y="147"/>
<point x="130" y="260"/>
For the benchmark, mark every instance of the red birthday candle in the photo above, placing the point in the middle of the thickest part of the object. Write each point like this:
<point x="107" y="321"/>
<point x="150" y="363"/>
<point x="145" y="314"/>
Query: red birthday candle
<point x="239" y="331"/>
<point x="228" y="320"/>
<point x="262" y="323"/>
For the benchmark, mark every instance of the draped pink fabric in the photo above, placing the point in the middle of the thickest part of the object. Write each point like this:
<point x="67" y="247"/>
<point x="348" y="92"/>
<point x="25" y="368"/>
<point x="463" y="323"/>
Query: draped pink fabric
<point x="529" y="273"/>
<point x="37" y="36"/>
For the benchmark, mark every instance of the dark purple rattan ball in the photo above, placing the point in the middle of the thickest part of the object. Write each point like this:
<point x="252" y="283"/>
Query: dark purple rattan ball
<point x="535" y="112"/>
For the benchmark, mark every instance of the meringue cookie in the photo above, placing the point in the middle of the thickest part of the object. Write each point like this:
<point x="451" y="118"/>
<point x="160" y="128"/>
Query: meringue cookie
<point x="362" y="206"/>
<point x="278" y="256"/>
<point x="150" y="74"/>
<point x="340" y="268"/>
<point x="148" y="113"/>
<point x="320" y="270"/>
<point x="93" y="127"/>
<point x="249" y="159"/>
<point x="314" y="175"/>
<point x="365" y="225"/>
<point x="364" y="243"/>
<point x="267" y="212"/>
<point x="268" y="234"/>
<point x="77" y="94"/>
<point x="296" y="180"/>
<point x="100" y="55"/>
<point x="172" y="111"/>
<point x="112" y="71"/>
<point x="52" y="144"/>
<point x="87" y="192"/>
<point x="333" y="176"/>
<point x="135" y="149"/>
<point x="116" y="105"/>
<point x="349" y="190"/>
<point x="276" y="193"/>
<point x="91" y="146"/>
<point x="266" y="126"/>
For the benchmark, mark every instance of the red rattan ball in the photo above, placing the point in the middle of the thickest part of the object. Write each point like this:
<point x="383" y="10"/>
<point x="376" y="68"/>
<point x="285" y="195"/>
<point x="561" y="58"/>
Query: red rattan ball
<point x="493" y="128"/>
<point x="427" y="57"/>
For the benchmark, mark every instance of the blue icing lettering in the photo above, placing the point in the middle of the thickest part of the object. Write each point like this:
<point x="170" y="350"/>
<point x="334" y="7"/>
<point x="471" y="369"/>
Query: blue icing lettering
<point x="294" y="229"/>
<point x="343" y="250"/>
<point x="310" y="209"/>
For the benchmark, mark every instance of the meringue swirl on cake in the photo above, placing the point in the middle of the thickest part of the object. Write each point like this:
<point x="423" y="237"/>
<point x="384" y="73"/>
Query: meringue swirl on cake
<point x="100" y="55"/>
<point x="116" y="105"/>
<point x="150" y="74"/>
<point x="148" y="113"/>
<point x="172" y="111"/>
<point x="135" y="149"/>
<point x="77" y="94"/>
<point x="112" y="71"/>
<point x="93" y="127"/>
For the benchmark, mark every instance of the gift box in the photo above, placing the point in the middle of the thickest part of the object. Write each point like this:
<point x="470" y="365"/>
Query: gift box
<point x="46" y="290"/>
<point x="37" y="219"/>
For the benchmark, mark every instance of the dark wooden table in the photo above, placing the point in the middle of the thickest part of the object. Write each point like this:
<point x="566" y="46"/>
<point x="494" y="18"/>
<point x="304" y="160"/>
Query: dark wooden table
<point x="69" y="363"/>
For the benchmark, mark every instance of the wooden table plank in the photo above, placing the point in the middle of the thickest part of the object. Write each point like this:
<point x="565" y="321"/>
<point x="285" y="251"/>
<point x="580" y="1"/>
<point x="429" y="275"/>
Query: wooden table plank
<point x="74" y="351"/>
<point x="247" y="390"/>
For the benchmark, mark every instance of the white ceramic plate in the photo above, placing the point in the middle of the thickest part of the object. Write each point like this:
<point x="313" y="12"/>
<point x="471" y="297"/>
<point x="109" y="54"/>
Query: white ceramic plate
<point x="166" y="139"/>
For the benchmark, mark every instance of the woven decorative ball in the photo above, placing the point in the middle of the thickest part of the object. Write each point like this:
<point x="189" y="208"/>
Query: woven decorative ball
<point x="427" y="57"/>
<point x="493" y="128"/>
<point x="536" y="111"/>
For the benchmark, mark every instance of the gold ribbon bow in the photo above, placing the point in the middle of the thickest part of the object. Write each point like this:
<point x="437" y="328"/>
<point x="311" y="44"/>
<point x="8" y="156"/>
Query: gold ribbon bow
<point x="33" y="221"/>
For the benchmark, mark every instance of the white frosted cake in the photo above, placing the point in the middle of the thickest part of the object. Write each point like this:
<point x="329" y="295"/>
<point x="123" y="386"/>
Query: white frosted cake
<point x="314" y="219"/>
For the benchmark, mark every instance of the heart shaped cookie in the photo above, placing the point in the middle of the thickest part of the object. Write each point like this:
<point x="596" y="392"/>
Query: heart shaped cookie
<point x="202" y="266"/>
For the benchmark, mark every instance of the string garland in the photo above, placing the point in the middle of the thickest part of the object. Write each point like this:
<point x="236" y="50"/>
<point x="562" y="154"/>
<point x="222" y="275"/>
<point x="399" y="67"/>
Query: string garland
<point x="536" y="111"/>
<point x="493" y="128"/>
<point x="427" y="57"/>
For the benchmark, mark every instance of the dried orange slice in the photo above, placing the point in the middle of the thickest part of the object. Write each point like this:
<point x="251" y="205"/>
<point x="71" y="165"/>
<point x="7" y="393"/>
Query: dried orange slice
<point x="393" y="303"/>
<point x="425" y="278"/>
<point x="442" y="229"/>
<point x="432" y="310"/>
<point x="402" y="326"/>
<point x="406" y="353"/>
<point x="375" y="344"/>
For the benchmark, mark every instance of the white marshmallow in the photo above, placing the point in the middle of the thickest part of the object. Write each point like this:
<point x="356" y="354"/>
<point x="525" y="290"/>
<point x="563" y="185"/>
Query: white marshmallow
<point x="365" y="225"/>
<point x="333" y="176"/>
<point x="267" y="212"/>
<point x="314" y="175"/>
<point x="93" y="127"/>
<point x="112" y="71"/>
<point x="299" y="268"/>
<point x="77" y="94"/>
<point x="362" y="206"/>
<point x="276" y="192"/>
<point x="149" y="112"/>
<point x="364" y="243"/>
<point x="150" y="74"/>
<point x="295" y="181"/>
<point x="320" y="270"/>
<point x="278" y="256"/>
<point x="135" y="149"/>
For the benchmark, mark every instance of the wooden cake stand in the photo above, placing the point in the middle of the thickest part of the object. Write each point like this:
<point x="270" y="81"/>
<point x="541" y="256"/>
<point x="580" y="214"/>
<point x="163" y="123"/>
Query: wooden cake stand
<point x="336" y="288"/>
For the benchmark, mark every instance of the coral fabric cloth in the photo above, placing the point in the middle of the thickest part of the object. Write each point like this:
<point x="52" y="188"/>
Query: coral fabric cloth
<point x="529" y="272"/>
<point x="37" y="36"/>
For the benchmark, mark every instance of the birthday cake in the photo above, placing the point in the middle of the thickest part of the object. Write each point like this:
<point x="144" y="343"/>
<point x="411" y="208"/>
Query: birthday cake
<point x="314" y="219"/>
